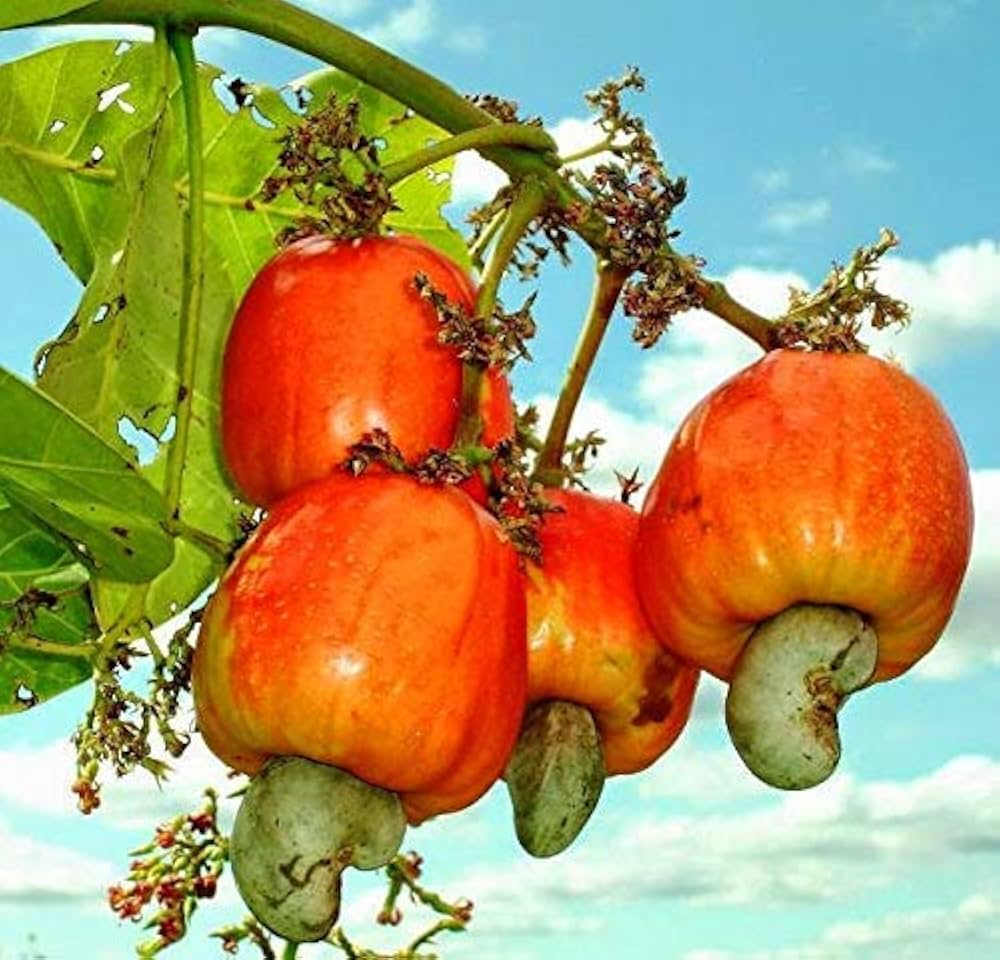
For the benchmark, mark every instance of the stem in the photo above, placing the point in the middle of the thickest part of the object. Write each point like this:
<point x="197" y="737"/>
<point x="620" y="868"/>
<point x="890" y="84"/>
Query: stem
<point x="717" y="300"/>
<point x="587" y="152"/>
<point x="507" y="134"/>
<point x="182" y="44"/>
<point x="286" y="24"/>
<point x="528" y="204"/>
<point x="477" y="250"/>
<point x="290" y="951"/>
<point x="154" y="648"/>
<point x="218" y="549"/>
<point x="608" y="284"/>
<point x="442" y="926"/>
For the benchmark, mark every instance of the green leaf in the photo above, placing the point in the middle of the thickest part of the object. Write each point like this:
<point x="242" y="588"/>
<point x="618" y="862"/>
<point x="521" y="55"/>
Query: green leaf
<point x="19" y="13"/>
<point x="118" y="223"/>
<point x="58" y="470"/>
<point x="43" y="597"/>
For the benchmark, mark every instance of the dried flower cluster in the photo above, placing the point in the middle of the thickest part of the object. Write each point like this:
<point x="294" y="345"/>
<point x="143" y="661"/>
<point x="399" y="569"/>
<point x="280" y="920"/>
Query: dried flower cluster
<point x="329" y="165"/>
<point x="831" y="317"/>
<point x="496" y="341"/>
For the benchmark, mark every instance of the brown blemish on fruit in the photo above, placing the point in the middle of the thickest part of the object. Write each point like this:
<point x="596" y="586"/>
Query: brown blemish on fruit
<point x="657" y="699"/>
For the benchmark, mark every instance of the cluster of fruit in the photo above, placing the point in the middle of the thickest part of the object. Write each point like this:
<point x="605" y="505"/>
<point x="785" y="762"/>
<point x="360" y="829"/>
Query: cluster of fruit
<point x="379" y="653"/>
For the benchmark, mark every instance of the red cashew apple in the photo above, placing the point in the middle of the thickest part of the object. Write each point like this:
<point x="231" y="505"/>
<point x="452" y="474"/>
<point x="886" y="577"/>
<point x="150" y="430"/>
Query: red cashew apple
<point x="375" y="624"/>
<point x="333" y="340"/>
<point x="608" y="697"/>
<point x="807" y="534"/>
<point x="364" y="659"/>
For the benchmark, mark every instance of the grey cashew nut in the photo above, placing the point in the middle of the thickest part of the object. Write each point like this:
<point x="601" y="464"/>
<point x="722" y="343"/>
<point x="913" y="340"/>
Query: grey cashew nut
<point x="299" y="826"/>
<point x="794" y="674"/>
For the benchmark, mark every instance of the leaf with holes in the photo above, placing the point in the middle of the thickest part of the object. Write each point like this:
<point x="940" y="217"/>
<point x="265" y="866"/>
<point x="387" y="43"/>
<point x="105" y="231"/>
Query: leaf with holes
<point x="20" y="13"/>
<point x="103" y="170"/>
<point x="55" y="468"/>
<point x="45" y="614"/>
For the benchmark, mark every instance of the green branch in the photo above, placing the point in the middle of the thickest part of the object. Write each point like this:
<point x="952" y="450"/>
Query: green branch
<point x="286" y="24"/>
<point x="505" y="134"/>
<point x="528" y="203"/>
<point x="181" y="42"/>
<point x="608" y="284"/>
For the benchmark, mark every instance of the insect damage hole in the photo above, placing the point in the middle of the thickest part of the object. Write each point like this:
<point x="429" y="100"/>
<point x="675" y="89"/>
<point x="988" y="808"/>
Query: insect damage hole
<point x="24" y="696"/>
<point x="57" y="126"/>
<point x="115" y="95"/>
<point x="141" y="441"/>
<point x="230" y="91"/>
<point x="96" y="155"/>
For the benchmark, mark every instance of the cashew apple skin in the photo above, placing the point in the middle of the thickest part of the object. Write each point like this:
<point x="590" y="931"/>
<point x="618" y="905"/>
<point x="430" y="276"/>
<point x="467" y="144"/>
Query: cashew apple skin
<point x="589" y="641"/>
<point x="333" y="340"/>
<point x="375" y="624"/>
<point x="815" y="478"/>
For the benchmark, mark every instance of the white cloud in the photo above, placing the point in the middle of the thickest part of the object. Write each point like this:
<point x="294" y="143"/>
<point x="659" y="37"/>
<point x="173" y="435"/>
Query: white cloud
<point x="573" y="134"/>
<point x="955" y="299"/>
<point x="74" y="32"/>
<point x="337" y="9"/>
<point x="631" y="441"/>
<point x="474" y="179"/>
<point x="771" y="181"/>
<point x="702" y="777"/>
<point x="862" y="160"/>
<point x="801" y="848"/>
<point x="925" y="21"/>
<point x="970" y="639"/>
<point x="970" y="929"/>
<point x="33" y="872"/>
<point x="467" y="38"/>
<point x="405" y="27"/>
<point x="701" y="352"/>
<point x="45" y="775"/>
<point x="795" y="215"/>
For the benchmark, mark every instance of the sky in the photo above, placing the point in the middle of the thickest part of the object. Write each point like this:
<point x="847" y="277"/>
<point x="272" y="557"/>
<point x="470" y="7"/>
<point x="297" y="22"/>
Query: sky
<point x="801" y="132"/>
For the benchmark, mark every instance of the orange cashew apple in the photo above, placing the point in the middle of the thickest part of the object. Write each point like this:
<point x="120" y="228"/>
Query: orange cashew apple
<point x="364" y="659"/>
<point x="608" y="697"/>
<point x="333" y="340"/>
<point x="807" y="534"/>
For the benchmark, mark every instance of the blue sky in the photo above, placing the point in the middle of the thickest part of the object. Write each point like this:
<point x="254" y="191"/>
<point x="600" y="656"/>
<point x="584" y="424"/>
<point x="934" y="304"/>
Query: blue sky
<point x="802" y="132"/>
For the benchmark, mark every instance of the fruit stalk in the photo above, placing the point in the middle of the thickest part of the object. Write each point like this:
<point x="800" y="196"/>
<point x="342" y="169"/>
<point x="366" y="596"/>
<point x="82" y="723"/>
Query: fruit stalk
<point x="528" y="204"/>
<point x="608" y="284"/>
